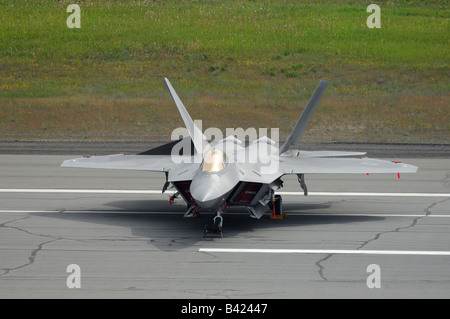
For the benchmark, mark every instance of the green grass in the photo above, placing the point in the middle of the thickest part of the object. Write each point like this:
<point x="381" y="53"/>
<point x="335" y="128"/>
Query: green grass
<point x="234" y="63"/>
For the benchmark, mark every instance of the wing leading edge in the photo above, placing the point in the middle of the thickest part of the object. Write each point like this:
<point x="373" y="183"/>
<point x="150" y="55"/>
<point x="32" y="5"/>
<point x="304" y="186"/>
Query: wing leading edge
<point x="156" y="163"/>
<point x="299" y="165"/>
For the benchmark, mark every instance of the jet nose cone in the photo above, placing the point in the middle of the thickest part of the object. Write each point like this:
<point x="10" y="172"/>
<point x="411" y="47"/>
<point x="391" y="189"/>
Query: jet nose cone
<point x="209" y="189"/>
<point x="206" y="195"/>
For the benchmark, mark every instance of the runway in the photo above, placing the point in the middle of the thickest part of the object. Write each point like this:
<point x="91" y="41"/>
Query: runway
<point x="130" y="243"/>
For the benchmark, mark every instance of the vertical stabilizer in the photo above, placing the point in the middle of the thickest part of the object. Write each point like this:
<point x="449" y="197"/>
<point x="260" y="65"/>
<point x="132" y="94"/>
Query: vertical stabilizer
<point x="303" y="121"/>
<point x="199" y="140"/>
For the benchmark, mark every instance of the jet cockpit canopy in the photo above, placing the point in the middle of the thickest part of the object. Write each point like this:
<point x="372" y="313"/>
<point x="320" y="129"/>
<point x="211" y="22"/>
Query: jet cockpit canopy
<point x="214" y="161"/>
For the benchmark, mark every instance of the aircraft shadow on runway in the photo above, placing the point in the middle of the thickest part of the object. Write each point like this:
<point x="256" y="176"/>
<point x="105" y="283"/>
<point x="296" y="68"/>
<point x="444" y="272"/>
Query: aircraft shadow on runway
<point x="166" y="229"/>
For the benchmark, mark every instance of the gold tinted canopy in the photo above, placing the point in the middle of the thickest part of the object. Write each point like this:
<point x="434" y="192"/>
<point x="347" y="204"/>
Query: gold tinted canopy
<point x="214" y="161"/>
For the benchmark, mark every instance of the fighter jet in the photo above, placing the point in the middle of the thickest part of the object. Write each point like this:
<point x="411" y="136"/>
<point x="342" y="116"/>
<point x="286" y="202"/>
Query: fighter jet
<point x="218" y="175"/>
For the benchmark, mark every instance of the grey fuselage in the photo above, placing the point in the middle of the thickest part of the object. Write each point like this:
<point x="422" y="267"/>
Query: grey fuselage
<point x="233" y="178"/>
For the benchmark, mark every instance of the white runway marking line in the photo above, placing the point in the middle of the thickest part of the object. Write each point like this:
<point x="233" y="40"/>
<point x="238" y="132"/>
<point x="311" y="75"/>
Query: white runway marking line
<point x="13" y="211"/>
<point x="367" y="194"/>
<point x="130" y="191"/>
<point x="19" y="211"/>
<point x="325" y="251"/>
<point x="83" y="191"/>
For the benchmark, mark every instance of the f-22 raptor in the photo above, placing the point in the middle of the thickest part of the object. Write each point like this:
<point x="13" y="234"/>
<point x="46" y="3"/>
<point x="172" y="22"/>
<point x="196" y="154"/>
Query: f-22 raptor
<point x="221" y="174"/>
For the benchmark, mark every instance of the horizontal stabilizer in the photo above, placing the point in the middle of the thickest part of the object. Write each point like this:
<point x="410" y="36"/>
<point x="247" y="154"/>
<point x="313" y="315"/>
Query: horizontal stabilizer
<point x="166" y="149"/>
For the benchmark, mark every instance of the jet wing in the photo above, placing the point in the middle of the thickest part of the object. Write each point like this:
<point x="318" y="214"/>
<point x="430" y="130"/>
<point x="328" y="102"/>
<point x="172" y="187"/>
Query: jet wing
<point x="156" y="163"/>
<point x="292" y="153"/>
<point x="305" y="165"/>
<point x="256" y="174"/>
<point x="329" y="153"/>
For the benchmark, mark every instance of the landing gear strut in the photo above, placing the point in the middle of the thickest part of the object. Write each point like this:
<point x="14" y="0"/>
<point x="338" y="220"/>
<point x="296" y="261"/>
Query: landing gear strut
<point x="301" y="180"/>
<point x="215" y="228"/>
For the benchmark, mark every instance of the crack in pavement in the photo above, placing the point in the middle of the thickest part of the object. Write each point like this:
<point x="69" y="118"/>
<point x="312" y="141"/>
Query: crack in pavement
<point x="34" y="252"/>
<point x="413" y="223"/>
<point x="322" y="268"/>
<point x="31" y="258"/>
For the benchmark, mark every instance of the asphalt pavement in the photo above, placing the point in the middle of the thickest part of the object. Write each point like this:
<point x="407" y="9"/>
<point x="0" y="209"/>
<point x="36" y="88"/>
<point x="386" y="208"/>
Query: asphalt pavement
<point x="350" y="234"/>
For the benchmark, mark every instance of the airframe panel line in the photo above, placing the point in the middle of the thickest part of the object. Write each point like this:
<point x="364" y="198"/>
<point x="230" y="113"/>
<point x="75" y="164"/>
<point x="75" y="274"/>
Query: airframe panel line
<point x="125" y="191"/>
<point x="325" y="251"/>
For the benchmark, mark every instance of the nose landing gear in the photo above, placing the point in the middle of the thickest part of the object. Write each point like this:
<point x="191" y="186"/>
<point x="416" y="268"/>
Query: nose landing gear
<point x="216" y="227"/>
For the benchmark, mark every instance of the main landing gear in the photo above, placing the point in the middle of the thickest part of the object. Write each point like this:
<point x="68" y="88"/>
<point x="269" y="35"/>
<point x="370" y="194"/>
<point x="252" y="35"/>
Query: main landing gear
<point x="276" y="206"/>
